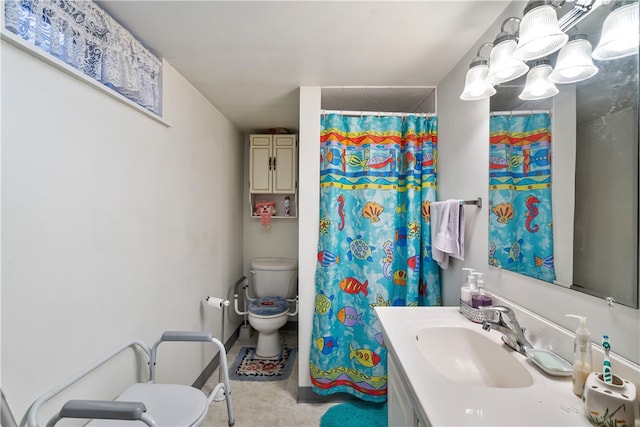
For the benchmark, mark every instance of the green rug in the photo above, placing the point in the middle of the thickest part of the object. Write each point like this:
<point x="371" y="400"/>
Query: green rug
<point x="355" y="414"/>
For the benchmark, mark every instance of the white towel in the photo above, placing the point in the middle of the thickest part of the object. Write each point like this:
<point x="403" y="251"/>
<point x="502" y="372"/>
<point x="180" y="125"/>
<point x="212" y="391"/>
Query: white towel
<point x="447" y="231"/>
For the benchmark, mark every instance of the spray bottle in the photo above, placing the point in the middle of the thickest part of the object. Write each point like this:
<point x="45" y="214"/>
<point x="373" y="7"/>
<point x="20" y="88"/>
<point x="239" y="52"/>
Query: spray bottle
<point x="582" y="359"/>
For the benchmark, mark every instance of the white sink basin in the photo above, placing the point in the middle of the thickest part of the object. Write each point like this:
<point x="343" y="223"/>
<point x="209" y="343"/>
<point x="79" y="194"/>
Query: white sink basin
<point x="456" y="374"/>
<point x="469" y="357"/>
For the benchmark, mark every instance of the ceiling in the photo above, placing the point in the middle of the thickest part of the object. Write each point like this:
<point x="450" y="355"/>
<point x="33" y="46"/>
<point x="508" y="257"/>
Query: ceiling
<point x="248" y="58"/>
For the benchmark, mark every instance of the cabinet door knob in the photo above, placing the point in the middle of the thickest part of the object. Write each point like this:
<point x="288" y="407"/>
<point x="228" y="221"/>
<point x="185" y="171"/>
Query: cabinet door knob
<point x="269" y="163"/>
<point x="274" y="163"/>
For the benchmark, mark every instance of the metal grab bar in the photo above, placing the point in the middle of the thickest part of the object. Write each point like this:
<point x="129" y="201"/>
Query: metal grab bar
<point x="31" y="417"/>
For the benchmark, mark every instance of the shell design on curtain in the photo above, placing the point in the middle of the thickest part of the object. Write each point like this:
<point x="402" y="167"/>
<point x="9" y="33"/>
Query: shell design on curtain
<point x="520" y="220"/>
<point x="378" y="178"/>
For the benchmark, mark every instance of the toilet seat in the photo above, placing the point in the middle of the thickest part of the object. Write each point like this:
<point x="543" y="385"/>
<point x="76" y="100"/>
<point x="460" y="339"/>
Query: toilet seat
<point x="266" y="307"/>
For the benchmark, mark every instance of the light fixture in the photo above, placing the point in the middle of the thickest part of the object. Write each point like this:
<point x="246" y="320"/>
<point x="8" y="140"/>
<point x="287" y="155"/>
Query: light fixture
<point x="476" y="85"/>
<point x="503" y="67"/>
<point x="540" y="34"/>
<point x="620" y="33"/>
<point x="574" y="62"/>
<point x="538" y="85"/>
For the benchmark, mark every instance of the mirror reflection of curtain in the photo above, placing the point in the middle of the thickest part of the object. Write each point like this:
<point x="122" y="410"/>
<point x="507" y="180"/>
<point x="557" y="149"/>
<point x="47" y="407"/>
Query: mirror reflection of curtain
<point x="377" y="180"/>
<point x="520" y="222"/>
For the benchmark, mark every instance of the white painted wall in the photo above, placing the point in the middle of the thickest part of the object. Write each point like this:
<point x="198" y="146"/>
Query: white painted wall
<point x="309" y="216"/>
<point x="563" y="175"/>
<point x="463" y="130"/>
<point x="114" y="227"/>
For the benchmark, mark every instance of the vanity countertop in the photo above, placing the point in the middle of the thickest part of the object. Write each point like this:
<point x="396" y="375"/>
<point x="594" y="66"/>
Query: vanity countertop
<point x="549" y="400"/>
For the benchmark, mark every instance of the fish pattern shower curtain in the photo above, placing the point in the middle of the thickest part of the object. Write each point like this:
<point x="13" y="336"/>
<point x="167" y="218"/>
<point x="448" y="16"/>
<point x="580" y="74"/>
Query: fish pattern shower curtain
<point x="378" y="178"/>
<point x="520" y="220"/>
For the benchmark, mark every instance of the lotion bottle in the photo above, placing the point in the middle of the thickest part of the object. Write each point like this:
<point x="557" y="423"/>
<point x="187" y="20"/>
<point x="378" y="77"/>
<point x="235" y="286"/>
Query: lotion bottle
<point x="582" y="359"/>
<point x="468" y="287"/>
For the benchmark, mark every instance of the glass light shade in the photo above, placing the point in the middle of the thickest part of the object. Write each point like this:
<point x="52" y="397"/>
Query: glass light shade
<point x="538" y="85"/>
<point x="620" y="34"/>
<point x="540" y="34"/>
<point x="574" y="63"/>
<point x="476" y="85"/>
<point x="503" y="67"/>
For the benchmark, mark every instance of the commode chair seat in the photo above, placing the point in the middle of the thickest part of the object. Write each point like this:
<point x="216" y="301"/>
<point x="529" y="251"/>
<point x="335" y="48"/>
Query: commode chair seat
<point x="164" y="400"/>
<point x="148" y="403"/>
<point x="268" y="307"/>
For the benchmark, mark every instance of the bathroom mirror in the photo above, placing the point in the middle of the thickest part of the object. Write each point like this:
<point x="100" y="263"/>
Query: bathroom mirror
<point x="595" y="172"/>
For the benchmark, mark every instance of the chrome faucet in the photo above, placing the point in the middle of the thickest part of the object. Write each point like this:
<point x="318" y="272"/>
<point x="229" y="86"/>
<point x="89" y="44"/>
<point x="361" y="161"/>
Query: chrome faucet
<point x="507" y="324"/>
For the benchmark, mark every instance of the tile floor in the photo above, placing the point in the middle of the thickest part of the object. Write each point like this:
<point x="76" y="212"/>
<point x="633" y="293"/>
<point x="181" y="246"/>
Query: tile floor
<point x="264" y="403"/>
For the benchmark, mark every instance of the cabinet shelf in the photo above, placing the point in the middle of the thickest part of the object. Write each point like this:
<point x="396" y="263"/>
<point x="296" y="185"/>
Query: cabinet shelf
<point x="278" y="199"/>
<point x="276" y="217"/>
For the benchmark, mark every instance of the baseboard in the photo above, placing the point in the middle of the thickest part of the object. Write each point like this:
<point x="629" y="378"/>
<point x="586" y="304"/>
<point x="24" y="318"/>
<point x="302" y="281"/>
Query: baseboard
<point x="307" y="395"/>
<point x="215" y="362"/>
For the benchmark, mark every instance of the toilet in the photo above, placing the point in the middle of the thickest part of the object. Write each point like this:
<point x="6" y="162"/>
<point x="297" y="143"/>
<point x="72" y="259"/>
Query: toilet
<point x="275" y="282"/>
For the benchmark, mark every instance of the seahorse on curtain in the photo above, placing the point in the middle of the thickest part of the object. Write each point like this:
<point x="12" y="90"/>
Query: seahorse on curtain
<point x="377" y="180"/>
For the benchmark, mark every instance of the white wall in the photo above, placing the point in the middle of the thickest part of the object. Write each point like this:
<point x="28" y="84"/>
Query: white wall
<point x="309" y="215"/>
<point x="114" y="227"/>
<point x="563" y="173"/>
<point x="463" y="151"/>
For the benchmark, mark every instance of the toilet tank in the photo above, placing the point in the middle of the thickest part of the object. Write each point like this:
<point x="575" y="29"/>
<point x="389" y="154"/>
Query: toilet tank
<point x="275" y="277"/>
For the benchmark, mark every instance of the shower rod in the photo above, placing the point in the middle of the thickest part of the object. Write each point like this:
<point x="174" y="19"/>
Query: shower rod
<point x="518" y="112"/>
<point x="375" y="113"/>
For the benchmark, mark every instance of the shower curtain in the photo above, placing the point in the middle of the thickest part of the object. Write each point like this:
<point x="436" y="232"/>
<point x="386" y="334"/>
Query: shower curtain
<point x="520" y="221"/>
<point x="377" y="180"/>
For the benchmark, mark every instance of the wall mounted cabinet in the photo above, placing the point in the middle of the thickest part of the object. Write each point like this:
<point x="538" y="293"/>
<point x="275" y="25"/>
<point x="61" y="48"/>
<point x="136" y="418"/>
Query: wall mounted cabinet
<point x="273" y="164"/>
<point x="273" y="172"/>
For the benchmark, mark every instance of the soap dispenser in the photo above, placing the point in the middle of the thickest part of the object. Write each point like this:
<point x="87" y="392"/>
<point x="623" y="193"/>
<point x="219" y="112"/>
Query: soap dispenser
<point x="479" y="298"/>
<point x="582" y="359"/>
<point x="468" y="287"/>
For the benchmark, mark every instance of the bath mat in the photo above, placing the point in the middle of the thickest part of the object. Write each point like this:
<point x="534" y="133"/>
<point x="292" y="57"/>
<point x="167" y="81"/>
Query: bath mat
<point x="352" y="414"/>
<point x="247" y="367"/>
